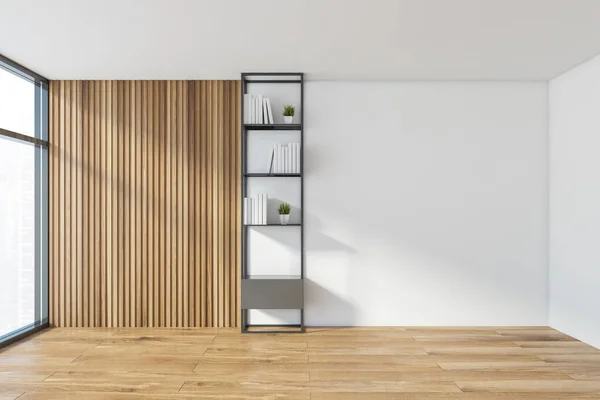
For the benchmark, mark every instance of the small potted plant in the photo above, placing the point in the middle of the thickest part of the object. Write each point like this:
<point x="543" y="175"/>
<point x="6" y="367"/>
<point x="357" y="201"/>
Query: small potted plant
<point x="284" y="213"/>
<point x="288" y="113"/>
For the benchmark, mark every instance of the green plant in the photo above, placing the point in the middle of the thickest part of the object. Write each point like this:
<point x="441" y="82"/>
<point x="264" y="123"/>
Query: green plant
<point x="289" y="110"/>
<point x="284" y="209"/>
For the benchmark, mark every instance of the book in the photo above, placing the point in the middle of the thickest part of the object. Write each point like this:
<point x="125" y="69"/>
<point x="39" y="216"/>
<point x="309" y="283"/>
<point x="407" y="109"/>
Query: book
<point x="284" y="170"/>
<point x="254" y="211"/>
<point x="270" y="162"/>
<point x="256" y="110"/>
<point x="269" y="111"/>
<point x="259" y="209"/>
<point x="265" y="204"/>
<point x="268" y="121"/>
<point x="245" y="210"/>
<point x="264" y="108"/>
<point x="298" y="159"/>
<point x="249" y="219"/>
<point x="279" y="158"/>
<point x="260" y="109"/>
<point x="288" y="153"/>
<point x="293" y="157"/>
<point x="249" y="110"/>
<point x="246" y="108"/>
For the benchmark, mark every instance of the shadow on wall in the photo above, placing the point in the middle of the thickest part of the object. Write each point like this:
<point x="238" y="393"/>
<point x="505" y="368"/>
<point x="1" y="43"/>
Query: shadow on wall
<point x="329" y="262"/>
<point x="273" y="215"/>
<point x="316" y="296"/>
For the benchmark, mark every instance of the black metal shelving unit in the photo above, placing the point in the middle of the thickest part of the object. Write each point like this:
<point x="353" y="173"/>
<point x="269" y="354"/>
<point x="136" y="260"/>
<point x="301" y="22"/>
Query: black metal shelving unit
<point x="272" y="291"/>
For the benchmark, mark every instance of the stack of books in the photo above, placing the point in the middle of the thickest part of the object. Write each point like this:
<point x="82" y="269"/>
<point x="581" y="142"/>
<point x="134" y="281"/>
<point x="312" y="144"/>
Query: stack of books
<point x="257" y="110"/>
<point x="255" y="210"/>
<point x="284" y="159"/>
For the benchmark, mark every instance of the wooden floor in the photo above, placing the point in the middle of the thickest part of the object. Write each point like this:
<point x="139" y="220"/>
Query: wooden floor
<point x="323" y="364"/>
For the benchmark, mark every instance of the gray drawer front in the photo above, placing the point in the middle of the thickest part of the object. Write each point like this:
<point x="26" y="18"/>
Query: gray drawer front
<point x="272" y="294"/>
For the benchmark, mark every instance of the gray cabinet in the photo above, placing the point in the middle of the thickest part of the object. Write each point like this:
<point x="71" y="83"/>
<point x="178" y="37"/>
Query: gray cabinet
<point x="272" y="293"/>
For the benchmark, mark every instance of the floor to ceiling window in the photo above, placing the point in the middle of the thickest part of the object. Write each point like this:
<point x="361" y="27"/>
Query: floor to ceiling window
<point x="23" y="201"/>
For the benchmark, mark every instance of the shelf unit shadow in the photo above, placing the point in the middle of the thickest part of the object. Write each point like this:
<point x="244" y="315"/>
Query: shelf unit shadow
<point x="272" y="292"/>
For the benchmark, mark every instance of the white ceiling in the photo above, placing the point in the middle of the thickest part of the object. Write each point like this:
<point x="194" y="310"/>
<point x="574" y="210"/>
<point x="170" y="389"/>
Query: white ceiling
<point x="326" y="39"/>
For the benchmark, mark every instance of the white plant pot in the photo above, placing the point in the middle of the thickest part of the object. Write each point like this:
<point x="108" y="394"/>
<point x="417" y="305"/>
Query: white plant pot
<point x="288" y="120"/>
<point x="284" y="218"/>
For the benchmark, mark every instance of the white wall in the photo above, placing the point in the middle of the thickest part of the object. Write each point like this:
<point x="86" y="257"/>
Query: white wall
<point x="426" y="203"/>
<point x="575" y="202"/>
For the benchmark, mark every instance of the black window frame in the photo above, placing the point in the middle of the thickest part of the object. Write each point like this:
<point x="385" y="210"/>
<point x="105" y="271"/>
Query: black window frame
<point x="41" y="171"/>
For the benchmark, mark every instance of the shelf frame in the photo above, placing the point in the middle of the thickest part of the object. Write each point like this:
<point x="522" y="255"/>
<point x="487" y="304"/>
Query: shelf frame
<point x="267" y="175"/>
<point x="298" y="78"/>
<point x="259" y="225"/>
<point x="273" y="127"/>
<point x="273" y="81"/>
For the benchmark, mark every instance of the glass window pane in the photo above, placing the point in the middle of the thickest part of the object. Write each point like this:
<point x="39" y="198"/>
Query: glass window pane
<point x="17" y="234"/>
<point x="17" y="104"/>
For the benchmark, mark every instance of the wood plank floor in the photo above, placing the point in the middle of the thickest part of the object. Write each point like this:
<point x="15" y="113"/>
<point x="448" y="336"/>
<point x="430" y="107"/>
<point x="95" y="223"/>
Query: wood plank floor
<point x="323" y="364"/>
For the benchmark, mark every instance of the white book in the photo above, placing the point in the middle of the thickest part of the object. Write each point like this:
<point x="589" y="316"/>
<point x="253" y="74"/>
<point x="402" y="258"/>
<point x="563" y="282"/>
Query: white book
<point x="246" y="105"/>
<point x="254" y="210"/>
<point x="264" y="110"/>
<point x="265" y="203"/>
<point x="259" y="109"/>
<point x="259" y="222"/>
<point x="256" y="121"/>
<point x="259" y="209"/>
<point x="285" y="159"/>
<point x="298" y="158"/>
<point x="295" y="158"/>
<point x="245" y="211"/>
<point x="270" y="111"/>
<point x="249" y="219"/>
<point x="263" y="210"/>
<point x="249" y="210"/>
<point x="288" y="165"/>
<point x="279" y="158"/>
<point x="255" y="110"/>
<point x="251" y="110"/>
<point x="270" y="160"/>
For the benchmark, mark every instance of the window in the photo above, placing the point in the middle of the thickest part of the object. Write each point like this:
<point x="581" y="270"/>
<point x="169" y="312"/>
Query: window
<point x="23" y="201"/>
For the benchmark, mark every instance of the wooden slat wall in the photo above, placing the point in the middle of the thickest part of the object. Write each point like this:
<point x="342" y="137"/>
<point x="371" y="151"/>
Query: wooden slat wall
<point x="144" y="203"/>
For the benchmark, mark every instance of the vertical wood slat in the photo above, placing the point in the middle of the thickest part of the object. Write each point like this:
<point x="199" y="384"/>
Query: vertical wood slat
<point x="144" y="192"/>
